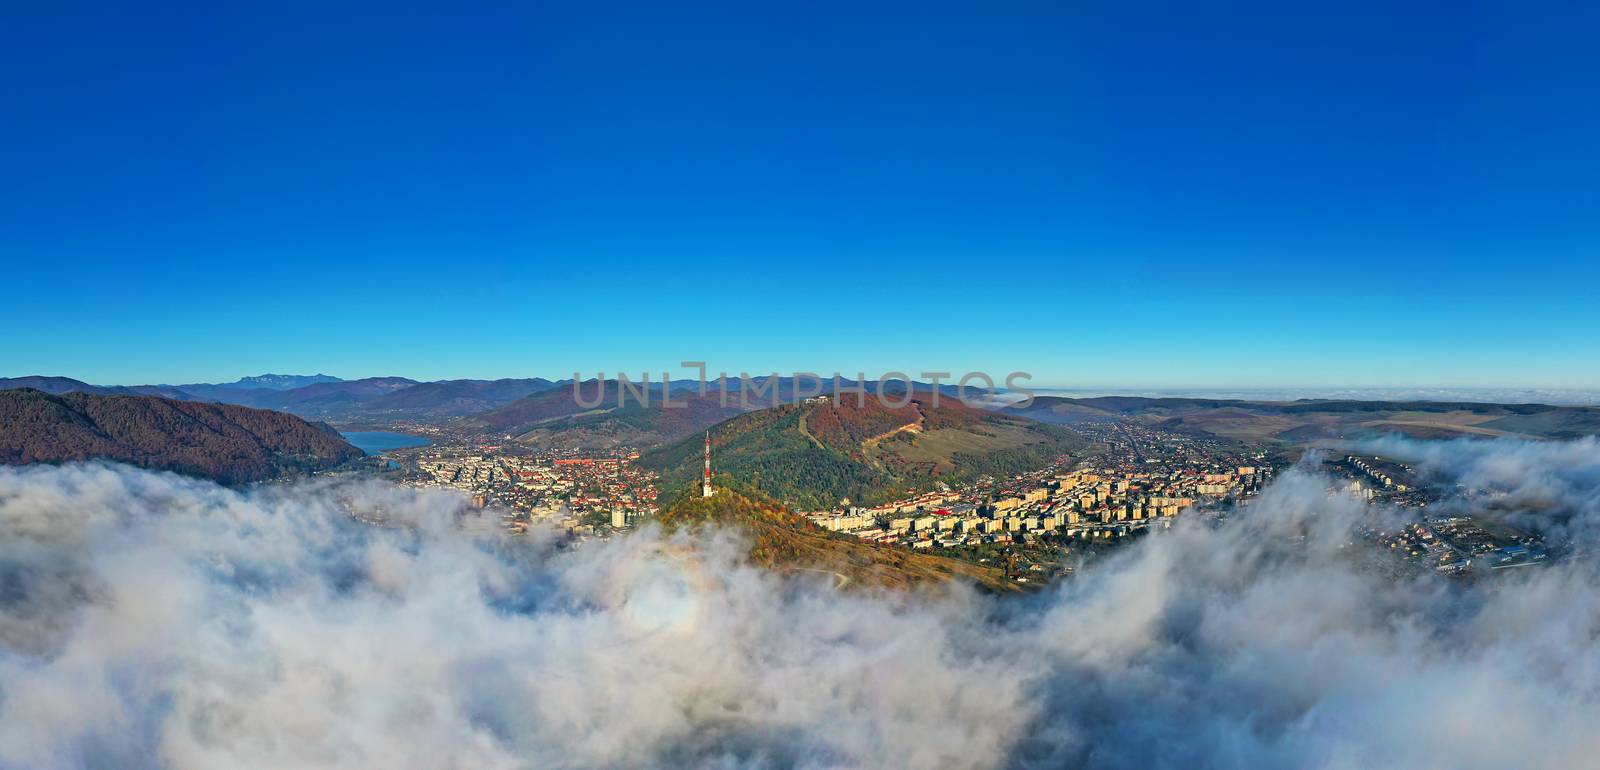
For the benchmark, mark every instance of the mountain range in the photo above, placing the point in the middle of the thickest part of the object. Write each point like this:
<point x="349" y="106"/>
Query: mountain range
<point x="282" y="381"/>
<point x="602" y="414"/>
<point x="548" y="413"/>
<point x="324" y="397"/>
<point x="532" y="409"/>
<point x="68" y="385"/>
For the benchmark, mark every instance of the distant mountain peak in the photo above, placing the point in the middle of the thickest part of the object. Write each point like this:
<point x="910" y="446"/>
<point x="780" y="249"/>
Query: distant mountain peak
<point x="283" y="381"/>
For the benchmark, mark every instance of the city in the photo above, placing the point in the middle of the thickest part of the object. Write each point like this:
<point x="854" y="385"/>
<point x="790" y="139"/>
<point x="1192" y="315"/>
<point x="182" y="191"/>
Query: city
<point x="800" y="386"/>
<point x="1039" y="525"/>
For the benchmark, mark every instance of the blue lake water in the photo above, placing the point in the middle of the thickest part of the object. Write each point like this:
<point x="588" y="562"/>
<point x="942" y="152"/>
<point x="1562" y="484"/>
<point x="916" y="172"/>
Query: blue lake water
<point x="376" y="441"/>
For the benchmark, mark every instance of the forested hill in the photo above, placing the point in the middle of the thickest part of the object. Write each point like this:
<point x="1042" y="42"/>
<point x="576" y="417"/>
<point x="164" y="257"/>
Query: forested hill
<point x="227" y="443"/>
<point x="813" y="455"/>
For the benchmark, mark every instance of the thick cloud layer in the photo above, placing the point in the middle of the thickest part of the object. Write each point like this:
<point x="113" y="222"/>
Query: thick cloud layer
<point x="152" y="621"/>
<point x="1547" y="486"/>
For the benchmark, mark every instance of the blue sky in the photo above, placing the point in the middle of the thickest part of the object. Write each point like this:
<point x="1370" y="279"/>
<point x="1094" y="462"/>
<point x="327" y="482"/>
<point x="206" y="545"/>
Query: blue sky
<point x="1109" y="194"/>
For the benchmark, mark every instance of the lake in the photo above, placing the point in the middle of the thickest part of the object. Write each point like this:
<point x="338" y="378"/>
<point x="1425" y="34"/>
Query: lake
<point x="377" y="441"/>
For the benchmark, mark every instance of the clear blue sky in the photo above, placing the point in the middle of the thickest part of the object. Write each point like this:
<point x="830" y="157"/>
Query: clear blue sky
<point x="1213" y="194"/>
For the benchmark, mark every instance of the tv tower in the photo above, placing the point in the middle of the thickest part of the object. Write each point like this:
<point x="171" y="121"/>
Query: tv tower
<point x="705" y="487"/>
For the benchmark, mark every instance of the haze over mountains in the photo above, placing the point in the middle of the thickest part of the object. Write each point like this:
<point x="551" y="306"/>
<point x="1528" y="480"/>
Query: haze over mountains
<point x="324" y="397"/>
<point x="548" y="412"/>
<point x="281" y="381"/>
<point x="533" y="408"/>
<point x="1311" y="420"/>
<point x="1480" y="394"/>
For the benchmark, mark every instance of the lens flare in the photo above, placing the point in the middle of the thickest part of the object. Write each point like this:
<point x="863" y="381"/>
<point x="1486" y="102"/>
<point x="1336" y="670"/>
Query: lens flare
<point x="659" y="590"/>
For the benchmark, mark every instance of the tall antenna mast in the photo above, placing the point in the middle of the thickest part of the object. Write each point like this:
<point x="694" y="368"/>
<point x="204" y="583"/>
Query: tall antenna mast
<point x="705" y="486"/>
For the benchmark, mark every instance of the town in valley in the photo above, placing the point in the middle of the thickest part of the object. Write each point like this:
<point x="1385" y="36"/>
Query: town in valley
<point x="1038" y="525"/>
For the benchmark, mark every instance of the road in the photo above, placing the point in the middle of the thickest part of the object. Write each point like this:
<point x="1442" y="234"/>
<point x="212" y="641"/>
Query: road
<point x="841" y="578"/>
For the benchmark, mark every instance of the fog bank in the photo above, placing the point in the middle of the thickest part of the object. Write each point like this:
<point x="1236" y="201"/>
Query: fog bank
<point x="148" y="620"/>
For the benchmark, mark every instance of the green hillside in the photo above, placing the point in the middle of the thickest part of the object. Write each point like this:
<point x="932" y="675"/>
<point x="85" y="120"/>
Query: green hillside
<point x="813" y="455"/>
